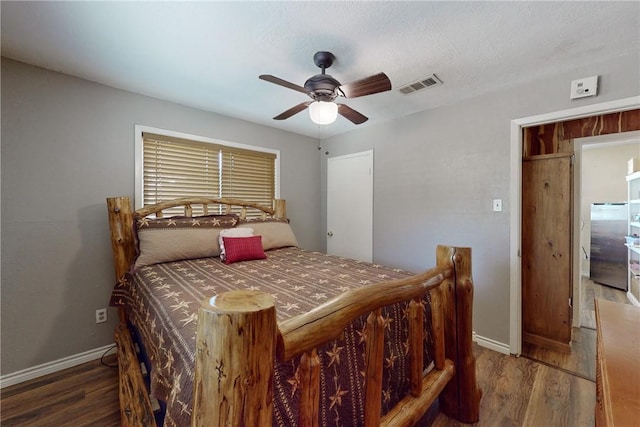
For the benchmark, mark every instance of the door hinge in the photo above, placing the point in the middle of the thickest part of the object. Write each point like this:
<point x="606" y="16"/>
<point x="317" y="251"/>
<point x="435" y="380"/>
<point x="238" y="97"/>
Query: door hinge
<point x="573" y="159"/>
<point x="570" y="302"/>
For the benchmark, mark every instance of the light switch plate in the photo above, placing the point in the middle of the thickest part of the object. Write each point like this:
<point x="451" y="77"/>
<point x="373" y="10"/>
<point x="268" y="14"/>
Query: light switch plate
<point x="497" y="205"/>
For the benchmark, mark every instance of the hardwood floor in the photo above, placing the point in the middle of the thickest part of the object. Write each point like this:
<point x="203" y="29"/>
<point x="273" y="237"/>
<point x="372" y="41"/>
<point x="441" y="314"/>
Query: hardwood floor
<point x="85" y="395"/>
<point x="592" y="290"/>
<point x="515" y="392"/>
<point x="581" y="360"/>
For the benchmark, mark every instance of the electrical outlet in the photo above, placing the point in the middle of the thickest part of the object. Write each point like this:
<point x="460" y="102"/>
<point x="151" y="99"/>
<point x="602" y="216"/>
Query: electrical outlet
<point x="101" y="315"/>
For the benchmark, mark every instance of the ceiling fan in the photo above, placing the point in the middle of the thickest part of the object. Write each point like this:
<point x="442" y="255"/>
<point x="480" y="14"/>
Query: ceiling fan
<point x="324" y="89"/>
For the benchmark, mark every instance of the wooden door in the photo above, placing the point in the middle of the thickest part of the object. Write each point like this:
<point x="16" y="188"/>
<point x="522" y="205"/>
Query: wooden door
<point x="547" y="214"/>
<point x="350" y="206"/>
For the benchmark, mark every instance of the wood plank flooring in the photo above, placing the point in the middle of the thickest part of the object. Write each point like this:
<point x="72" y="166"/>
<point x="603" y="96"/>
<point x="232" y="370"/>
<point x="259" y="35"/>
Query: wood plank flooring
<point x="592" y="290"/>
<point x="581" y="360"/>
<point x="85" y="395"/>
<point x="515" y="392"/>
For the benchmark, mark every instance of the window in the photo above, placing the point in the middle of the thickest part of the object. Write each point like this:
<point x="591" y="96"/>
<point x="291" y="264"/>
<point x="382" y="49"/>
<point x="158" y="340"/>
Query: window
<point x="179" y="167"/>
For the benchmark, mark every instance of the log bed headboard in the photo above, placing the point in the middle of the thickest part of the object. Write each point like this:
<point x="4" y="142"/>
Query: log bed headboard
<point x="242" y="396"/>
<point x="122" y="220"/>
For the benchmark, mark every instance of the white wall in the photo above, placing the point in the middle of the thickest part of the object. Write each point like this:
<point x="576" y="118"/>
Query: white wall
<point x="67" y="144"/>
<point x="436" y="173"/>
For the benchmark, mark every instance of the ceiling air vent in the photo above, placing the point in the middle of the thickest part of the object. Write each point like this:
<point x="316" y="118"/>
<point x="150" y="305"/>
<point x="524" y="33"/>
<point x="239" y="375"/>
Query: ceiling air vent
<point x="428" y="81"/>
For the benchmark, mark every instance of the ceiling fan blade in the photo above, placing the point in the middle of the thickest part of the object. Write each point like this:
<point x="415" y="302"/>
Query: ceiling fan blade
<point x="351" y="114"/>
<point x="291" y="111"/>
<point x="367" y="86"/>
<point x="272" y="79"/>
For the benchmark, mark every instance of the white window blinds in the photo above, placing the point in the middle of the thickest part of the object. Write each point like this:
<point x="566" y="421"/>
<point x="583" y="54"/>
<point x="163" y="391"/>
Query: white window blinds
<point x="175" y="167"/>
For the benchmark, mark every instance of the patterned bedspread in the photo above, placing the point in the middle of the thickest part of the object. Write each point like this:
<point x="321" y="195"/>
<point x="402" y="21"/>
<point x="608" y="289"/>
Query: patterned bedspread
<point x="163" y="300"/>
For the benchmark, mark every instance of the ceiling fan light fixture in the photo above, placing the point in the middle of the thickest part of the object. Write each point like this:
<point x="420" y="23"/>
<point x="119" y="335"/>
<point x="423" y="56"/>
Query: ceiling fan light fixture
<point x="322" y="112"/>
<point x="323" y="89"/>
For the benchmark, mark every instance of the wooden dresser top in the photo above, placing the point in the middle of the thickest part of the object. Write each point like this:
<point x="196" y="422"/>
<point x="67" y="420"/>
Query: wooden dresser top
<point x="618" y="328"/>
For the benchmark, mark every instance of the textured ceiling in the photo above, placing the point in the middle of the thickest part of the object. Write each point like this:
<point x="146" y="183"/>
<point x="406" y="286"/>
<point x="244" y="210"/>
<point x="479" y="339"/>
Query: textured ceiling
<point x="208" y="55"/>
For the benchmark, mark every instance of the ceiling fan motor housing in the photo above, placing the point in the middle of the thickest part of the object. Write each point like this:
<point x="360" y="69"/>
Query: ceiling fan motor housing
<point x="322" y="87"/>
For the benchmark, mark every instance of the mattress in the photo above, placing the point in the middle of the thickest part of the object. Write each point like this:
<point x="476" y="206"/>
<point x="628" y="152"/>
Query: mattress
<point x="162" y="301"/>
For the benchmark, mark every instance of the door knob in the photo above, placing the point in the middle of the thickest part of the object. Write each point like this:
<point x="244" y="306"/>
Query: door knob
<point x="330" y="234"/>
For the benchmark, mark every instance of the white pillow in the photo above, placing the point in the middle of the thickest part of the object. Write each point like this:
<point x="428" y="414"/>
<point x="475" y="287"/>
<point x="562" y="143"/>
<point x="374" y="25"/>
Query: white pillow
<point x="232" y="232"/>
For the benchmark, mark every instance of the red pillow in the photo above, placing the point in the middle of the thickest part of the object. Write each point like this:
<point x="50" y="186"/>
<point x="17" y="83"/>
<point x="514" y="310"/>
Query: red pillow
<point x="243" y="249"/>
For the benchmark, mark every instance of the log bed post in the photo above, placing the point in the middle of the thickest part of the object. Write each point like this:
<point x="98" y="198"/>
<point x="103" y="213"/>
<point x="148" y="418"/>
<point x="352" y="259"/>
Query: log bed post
<point x="280" y="208"/>
<point x="122" y="238"/>
<point x="121" y="235"/>
<point x="461" y="397"/>
<point x="135" y="405"/>
<point x="235" y="352"/>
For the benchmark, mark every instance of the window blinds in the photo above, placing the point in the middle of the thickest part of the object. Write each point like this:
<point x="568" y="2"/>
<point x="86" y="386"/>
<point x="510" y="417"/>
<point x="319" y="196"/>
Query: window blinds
<point x="175" y="167"/>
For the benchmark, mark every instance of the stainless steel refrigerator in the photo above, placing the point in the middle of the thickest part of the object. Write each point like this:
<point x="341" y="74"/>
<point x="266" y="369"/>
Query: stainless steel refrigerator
<point x="608" y="264"/>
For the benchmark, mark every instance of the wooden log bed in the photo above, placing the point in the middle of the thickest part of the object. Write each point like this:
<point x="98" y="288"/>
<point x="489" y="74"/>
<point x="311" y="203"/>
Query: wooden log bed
<point x="239" y="338"/>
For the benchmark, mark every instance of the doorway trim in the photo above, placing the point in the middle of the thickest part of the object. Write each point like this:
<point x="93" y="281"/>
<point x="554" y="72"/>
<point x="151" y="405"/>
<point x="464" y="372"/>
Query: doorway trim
<point x="515" y="191"/>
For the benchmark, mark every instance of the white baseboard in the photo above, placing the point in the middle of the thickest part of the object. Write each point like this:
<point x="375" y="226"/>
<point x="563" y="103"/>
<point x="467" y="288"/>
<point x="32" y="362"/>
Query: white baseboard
<point x="51" y="367"/>
<point x="632" y="298"/>
<point x="491" y="344"/>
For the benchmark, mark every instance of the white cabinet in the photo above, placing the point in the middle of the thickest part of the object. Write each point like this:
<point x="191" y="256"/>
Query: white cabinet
<point x="633" y="244"/>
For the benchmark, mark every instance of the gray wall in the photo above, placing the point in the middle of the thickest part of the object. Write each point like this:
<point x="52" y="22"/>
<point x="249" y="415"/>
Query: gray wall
<point x="436" y="173"/>
<point x="67" y="144"/>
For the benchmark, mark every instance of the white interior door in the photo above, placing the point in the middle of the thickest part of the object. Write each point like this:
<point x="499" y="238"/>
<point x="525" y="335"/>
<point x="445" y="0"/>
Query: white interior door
<point x="350" y="206"/>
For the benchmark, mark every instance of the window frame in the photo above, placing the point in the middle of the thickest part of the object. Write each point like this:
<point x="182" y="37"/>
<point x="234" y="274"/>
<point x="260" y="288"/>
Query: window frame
<point x="139" y="156"/>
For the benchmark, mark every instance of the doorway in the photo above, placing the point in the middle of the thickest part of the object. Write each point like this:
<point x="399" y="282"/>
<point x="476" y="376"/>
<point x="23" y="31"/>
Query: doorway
<point x="578" y="360"/>
<point x="517" y="126"/>
<point x="350" y="206"/>
<point x="601" y="169"/>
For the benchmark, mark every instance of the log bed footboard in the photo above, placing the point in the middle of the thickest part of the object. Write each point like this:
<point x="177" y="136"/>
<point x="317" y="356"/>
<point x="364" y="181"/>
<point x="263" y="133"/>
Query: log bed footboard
<point x="231" y="390"/>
